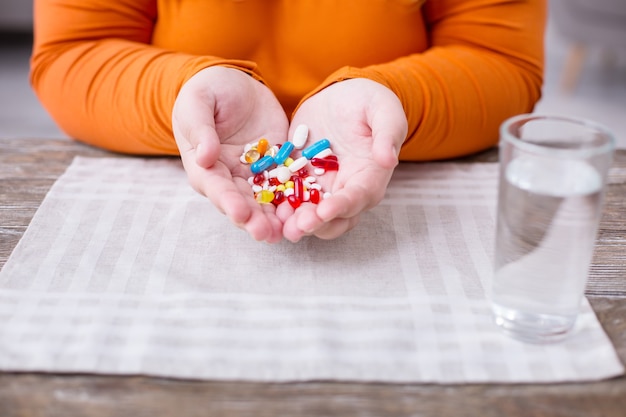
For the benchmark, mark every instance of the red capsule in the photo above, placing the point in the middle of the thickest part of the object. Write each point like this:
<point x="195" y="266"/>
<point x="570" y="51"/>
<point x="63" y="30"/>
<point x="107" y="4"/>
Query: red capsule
<point x="295" y="203"/>
<point x="314" y="196"/>
<point x="302" y="173"/>
<point x="327" y="163"/>
<point x="298" y="188"/>
<point x="258" y="178"/>
<point x="279" y="197"/>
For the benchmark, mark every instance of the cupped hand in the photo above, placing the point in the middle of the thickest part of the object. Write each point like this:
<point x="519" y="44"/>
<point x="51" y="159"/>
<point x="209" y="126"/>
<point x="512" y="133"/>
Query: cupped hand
<point x="216" y="113"/>
<point x="366" y="125"/>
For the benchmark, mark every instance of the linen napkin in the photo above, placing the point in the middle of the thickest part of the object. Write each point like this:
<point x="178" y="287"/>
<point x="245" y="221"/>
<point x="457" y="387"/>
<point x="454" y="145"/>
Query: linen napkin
<point x="126" y="270"/>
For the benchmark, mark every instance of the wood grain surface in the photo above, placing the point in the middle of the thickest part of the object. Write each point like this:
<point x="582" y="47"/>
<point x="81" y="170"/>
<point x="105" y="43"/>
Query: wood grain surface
<point x="29" y="167"/>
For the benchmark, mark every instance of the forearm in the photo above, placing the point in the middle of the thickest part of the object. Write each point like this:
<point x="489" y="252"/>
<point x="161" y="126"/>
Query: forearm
<point x="486" y="64"/>
<point x="95" y="72"/>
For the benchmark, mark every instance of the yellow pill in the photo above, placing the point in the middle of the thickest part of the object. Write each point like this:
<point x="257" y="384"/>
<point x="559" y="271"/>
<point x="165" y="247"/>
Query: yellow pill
<point x="264" y="197"/>
<point x="252" y="155"/>
<point x="288" y="162"/>
<point x="272" y="151"/>
<point x="280" y="187"/>
<point x="289" y="184"/>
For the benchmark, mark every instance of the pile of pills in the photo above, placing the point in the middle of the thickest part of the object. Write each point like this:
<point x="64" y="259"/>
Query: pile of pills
<point x="278" y="177"/>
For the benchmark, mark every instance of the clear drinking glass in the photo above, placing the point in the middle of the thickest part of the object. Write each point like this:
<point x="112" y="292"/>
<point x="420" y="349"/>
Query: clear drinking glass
<point x="553" y="174"/>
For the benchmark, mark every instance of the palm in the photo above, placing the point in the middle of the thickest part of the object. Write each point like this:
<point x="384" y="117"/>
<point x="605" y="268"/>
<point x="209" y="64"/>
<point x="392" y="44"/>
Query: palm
<point x="216" y="114"/>
<point x="366" y="125"/>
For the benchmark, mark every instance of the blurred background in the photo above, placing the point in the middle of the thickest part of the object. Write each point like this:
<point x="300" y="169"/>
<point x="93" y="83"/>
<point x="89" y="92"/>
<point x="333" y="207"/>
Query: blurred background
<point x="585" y="67"/>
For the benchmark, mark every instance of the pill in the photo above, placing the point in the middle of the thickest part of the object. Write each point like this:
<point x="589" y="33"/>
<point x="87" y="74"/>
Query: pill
<point x="314" y="195"/>
<point x="323" y="154"/>
<point x="281" y="173"/>
<point x="298" y="188"/>
<point x="279" y="197"/>
<point x="293" y="201"/>
<point x="326" y="163"/>
<point x="283" y="153"/>
<point x="272" y="151"/>
<point x="300" y="136"/>
<point x="262" y="164"/>
<point x="316" y="148"/>
<point x="319" y="171"/>
<point x="264" y="196"/>
<point x="298" y="164"/>
<point x="262" y="146"/>
<point x="252" y="156"/>
<point x="258" y="178"/>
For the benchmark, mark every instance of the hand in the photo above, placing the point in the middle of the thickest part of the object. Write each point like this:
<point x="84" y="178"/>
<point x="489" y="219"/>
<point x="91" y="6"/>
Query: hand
<point x="216" y="113"/>
<point x="366" y="125"/>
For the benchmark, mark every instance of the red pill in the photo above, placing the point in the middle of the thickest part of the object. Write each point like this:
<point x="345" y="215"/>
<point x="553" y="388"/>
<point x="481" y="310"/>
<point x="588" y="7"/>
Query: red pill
<point x="279" y="197"/>
<point x="274" y="181"/>
<point x="298" y="188"/>
<point x="258" y="178"/>
<point x="314" y="196"/>
<point x="295" y="203"/>
<point x="325" y="163"/>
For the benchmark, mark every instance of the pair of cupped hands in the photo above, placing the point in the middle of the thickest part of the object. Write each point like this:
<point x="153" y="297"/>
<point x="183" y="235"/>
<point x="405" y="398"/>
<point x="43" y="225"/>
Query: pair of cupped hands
<point x="219" y="110"/>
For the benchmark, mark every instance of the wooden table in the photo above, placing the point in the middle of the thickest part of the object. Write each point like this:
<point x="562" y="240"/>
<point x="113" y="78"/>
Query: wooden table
<point x="28" y="167"/>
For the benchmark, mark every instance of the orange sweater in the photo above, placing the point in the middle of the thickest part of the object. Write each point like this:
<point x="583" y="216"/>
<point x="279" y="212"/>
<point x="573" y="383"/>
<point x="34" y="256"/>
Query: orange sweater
<point x="109" y="71"/>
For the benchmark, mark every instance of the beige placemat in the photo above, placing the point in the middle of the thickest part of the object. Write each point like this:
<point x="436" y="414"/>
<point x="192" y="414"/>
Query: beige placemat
<point x="126" y="270"/>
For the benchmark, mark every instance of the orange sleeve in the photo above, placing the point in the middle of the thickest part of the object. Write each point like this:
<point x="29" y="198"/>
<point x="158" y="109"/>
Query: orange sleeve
<point x="484" y="64"/>
<point x="94" y="71"/>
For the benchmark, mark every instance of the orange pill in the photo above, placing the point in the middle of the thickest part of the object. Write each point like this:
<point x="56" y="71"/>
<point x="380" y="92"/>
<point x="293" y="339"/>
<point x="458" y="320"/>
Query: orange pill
<point x="262" y="146"/>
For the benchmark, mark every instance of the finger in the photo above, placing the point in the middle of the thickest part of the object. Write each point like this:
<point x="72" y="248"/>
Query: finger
<point x="193" y="123"/>
<point x="336" y="228"/>
<point x="388" y="133"/>
<point x="360" y="193"/>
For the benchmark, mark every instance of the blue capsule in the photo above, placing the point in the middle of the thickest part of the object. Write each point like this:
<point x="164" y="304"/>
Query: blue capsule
<point x="316" y="148"/>
<point x="283" y="153"/>
<point x="262" y="164"/>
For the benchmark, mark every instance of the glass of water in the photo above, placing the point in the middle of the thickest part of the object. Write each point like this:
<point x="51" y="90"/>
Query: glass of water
<point x="553" y="173"/>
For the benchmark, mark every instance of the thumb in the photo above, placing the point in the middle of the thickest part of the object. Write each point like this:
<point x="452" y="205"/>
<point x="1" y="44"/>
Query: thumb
<point x="389" y="130"/>
<point x="207" y="145"/>
<point x="193" y="124"/>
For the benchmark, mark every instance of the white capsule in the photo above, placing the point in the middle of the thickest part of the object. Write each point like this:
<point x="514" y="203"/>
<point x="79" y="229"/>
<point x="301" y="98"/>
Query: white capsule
<point x="300" y="136"/>
<point x="281" y="173"/>
<point x="323" y="153"/>
<point x="298" y="164"/>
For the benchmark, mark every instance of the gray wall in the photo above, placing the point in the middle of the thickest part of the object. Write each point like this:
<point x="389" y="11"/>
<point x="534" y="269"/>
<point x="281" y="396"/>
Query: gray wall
<point x="16" y="15"/>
